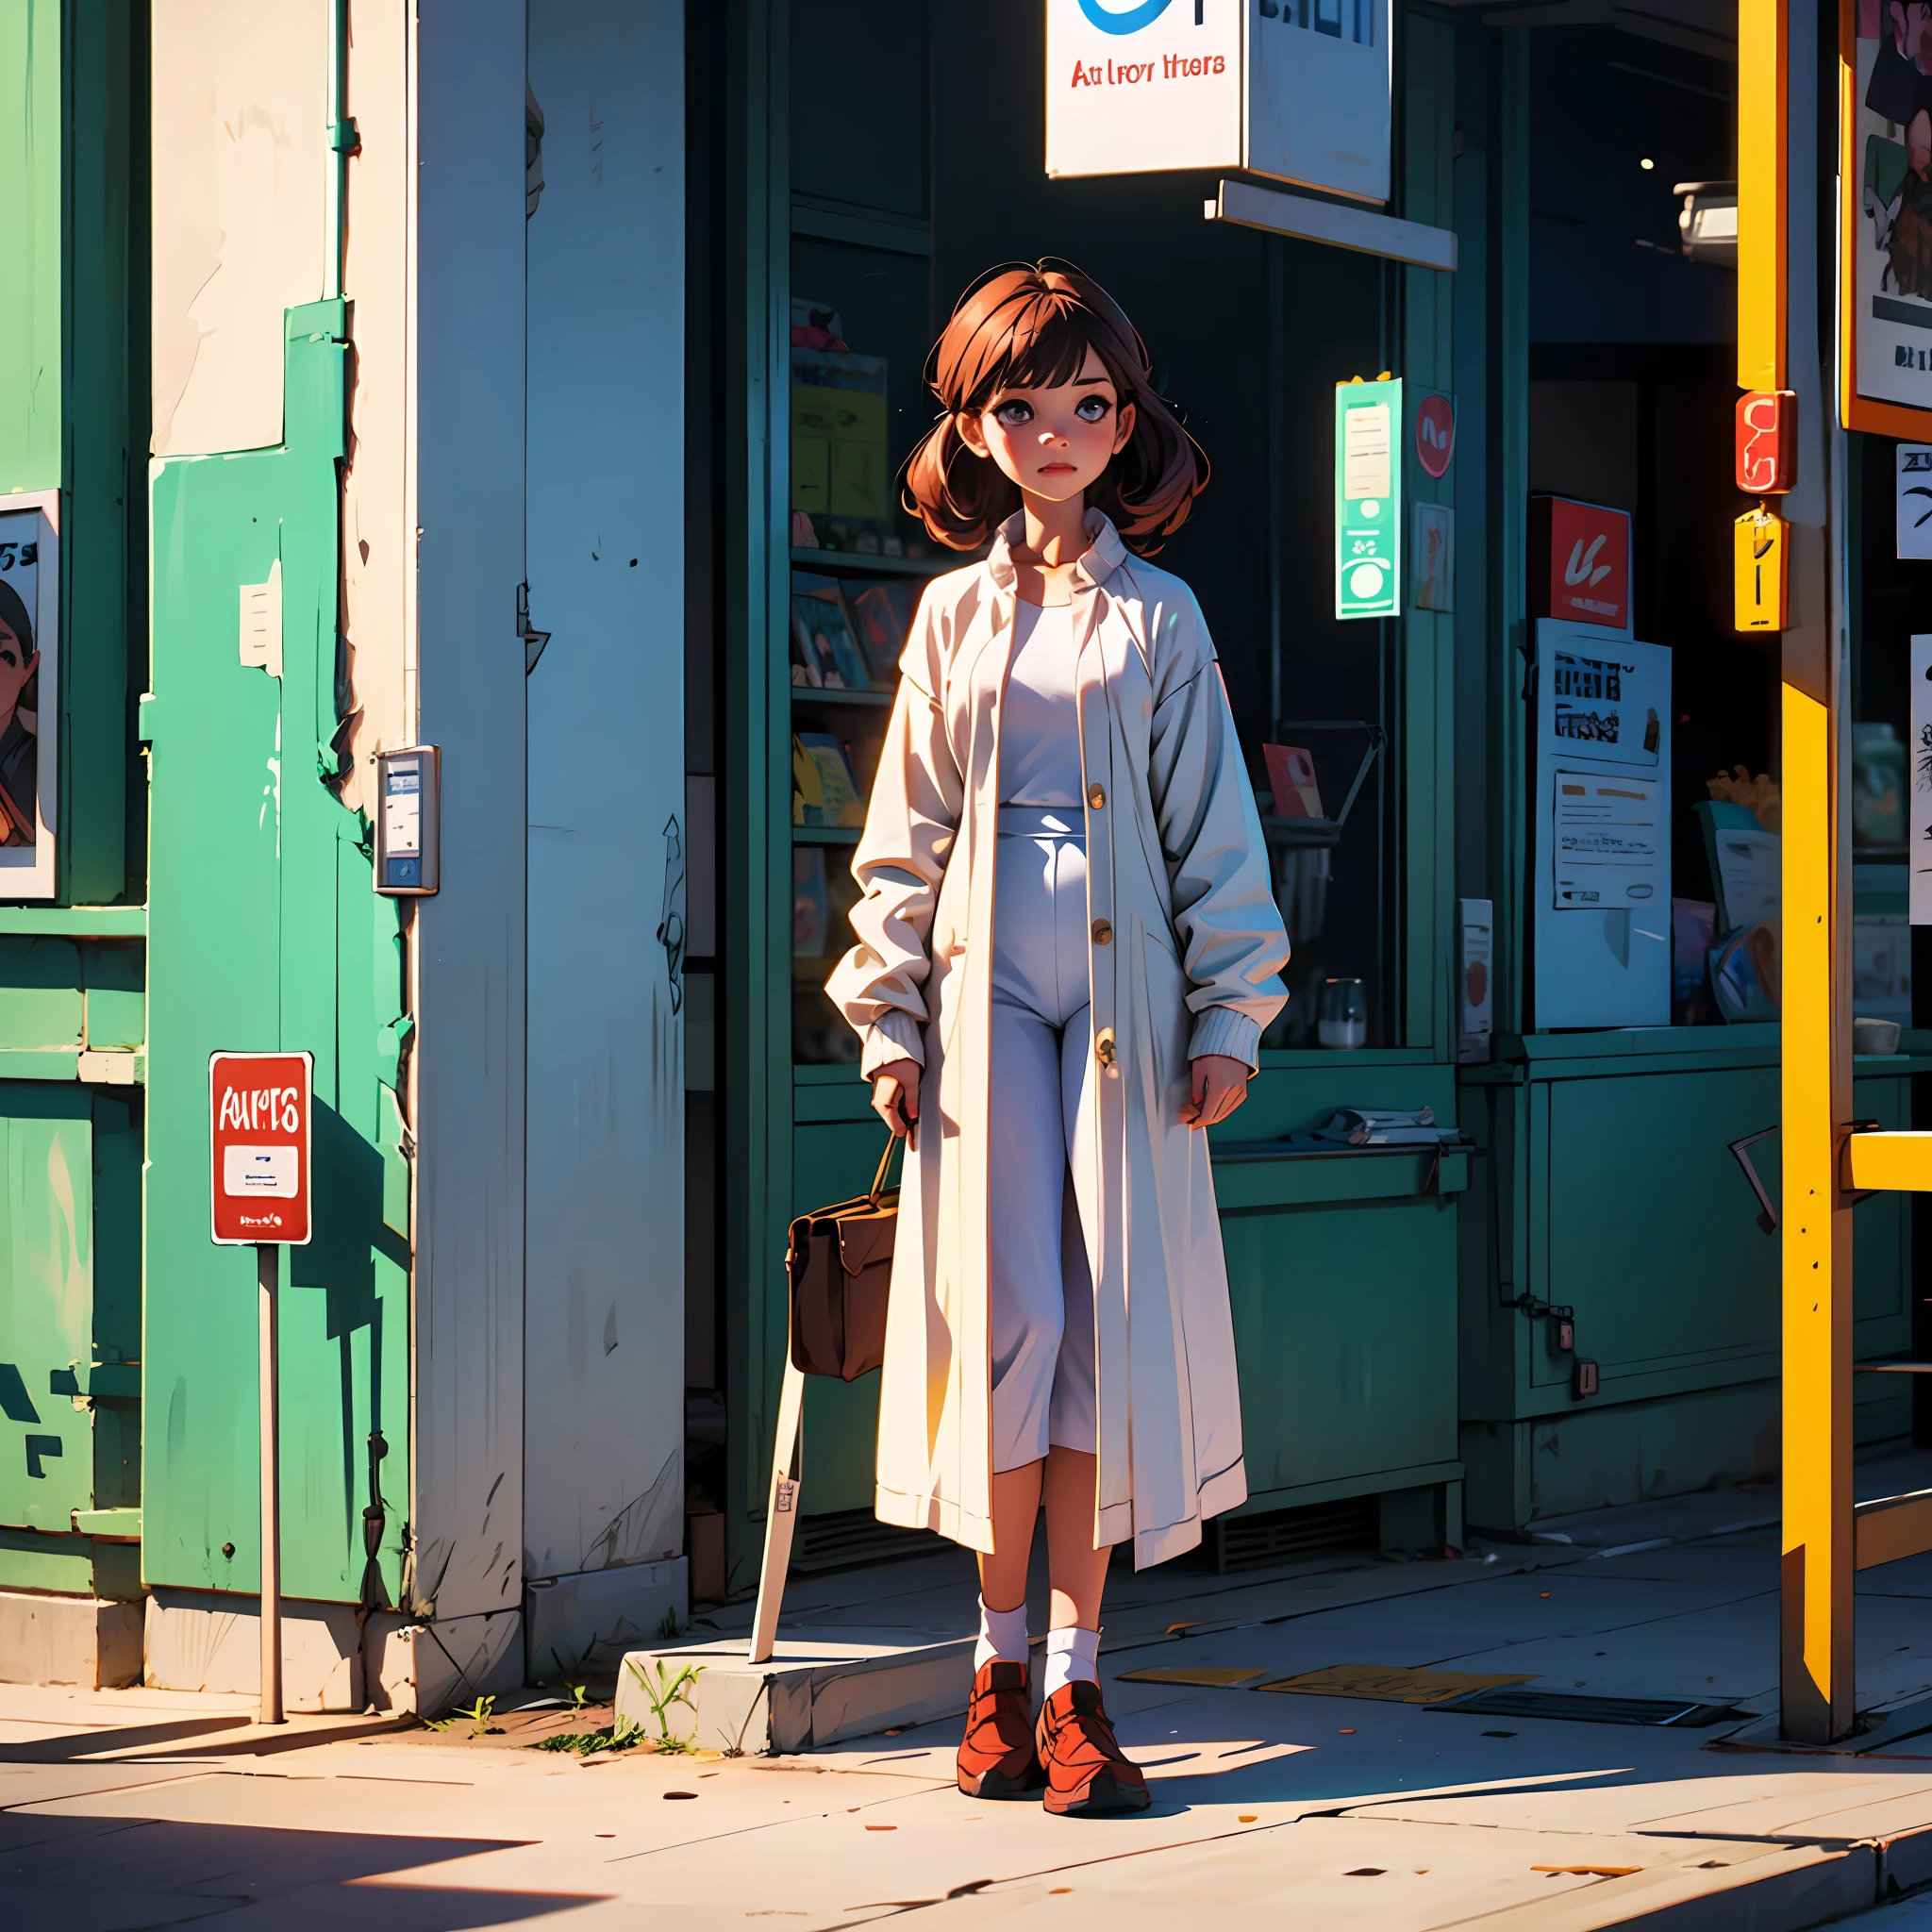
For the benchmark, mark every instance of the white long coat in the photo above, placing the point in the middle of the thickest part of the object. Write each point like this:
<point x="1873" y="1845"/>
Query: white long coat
<point x="1178" y="870"/>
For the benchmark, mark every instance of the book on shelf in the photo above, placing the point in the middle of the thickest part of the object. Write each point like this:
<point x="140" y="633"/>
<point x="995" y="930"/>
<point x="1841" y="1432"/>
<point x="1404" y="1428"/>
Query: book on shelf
<point x="882" y="614"/>
<point x="822" y="638"/>
<point x="811" y="914"/>
<point x="840" y="802"/>
<point x="1292" y="779"/>
<point x="808" y="791"/>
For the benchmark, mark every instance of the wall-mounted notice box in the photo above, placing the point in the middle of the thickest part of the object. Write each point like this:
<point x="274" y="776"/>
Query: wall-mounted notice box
<point x="407" y="841"/>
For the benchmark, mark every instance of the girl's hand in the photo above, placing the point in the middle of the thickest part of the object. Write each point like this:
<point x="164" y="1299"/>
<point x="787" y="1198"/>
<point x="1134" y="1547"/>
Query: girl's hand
<point x="895" y="1098"/>
<point x="1220" y="1083"/>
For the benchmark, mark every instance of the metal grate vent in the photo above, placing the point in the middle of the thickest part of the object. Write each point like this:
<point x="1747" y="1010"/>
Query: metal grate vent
<point x="848" y="1538"/>
<point x="1281" y="1536"/>
<point x="1676" y="1712"/>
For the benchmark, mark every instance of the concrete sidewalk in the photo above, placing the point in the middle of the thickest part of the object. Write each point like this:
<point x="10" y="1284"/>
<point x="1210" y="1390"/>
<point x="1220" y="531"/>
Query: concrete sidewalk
<point x="140" y="1808"/>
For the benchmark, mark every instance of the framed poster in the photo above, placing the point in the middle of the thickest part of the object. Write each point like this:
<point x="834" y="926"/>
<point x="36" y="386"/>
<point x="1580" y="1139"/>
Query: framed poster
<point x="1885" y="219"/>
<point x="29" y="691"/>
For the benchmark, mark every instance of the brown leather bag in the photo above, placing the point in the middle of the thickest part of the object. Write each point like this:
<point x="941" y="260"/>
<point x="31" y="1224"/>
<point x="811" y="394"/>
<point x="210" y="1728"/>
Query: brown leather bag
<point x="839" y="1261"/>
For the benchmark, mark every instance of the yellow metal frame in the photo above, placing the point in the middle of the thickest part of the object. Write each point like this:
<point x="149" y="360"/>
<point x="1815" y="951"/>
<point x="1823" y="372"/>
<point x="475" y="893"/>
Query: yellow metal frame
<point x="1763" y="87"/>
<point x="1826" y="1537"/>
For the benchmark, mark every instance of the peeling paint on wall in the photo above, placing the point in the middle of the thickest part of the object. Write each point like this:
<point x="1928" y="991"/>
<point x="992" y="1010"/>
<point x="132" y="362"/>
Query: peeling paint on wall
<point x="240" y="110"/>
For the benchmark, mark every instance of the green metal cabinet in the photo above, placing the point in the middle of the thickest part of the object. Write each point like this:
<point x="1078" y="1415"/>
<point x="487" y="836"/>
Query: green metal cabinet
<point x="1608" y="1186"/>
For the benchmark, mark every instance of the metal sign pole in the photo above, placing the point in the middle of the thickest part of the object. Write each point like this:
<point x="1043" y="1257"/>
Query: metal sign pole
<point x="267" y="1270"/>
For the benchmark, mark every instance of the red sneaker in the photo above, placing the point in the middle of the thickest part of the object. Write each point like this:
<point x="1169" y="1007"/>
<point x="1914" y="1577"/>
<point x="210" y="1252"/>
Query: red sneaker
<point x="996" y="1756"/>
<point x="1088" y="1774"/>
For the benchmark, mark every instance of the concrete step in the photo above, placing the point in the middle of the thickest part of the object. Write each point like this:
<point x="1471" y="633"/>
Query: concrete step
<point x="818" y="1688"/>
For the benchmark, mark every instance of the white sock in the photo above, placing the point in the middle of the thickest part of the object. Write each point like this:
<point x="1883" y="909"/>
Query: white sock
<point x="1072" y="1657"/>
<point x="1002" y="1637"/>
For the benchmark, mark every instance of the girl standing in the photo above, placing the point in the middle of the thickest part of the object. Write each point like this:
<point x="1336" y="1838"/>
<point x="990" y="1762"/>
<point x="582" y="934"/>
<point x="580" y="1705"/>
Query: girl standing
<point x="1067" y="951"/>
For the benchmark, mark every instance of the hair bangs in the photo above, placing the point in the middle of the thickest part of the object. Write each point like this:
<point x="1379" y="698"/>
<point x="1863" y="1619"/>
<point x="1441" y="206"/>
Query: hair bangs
<point x="1030" y="325"/>
<point x="1043" y="346"/>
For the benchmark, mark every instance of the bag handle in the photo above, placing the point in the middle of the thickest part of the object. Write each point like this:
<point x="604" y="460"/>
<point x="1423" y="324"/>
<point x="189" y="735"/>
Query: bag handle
<point x="879" y="1180"/>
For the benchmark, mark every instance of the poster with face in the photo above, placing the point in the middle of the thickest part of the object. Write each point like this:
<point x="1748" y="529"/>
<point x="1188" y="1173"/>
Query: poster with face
<point x="1890" y="190"/>
<point x="29" y="589"/>
<point x="20" y="665"/>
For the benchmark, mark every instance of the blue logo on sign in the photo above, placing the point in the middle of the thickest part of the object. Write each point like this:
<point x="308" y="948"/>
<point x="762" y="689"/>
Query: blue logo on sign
<point x="1130" y="22"/>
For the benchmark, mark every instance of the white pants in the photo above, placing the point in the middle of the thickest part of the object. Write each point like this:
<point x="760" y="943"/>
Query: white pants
<point x="1042" y="1059"/>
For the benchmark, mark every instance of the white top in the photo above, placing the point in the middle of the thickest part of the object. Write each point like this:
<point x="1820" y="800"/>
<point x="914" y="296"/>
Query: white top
<point x="1040" y="722"/>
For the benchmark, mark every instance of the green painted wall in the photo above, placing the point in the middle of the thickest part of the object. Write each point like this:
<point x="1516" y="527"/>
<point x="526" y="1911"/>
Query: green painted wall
<point x="264" y="932"/>
<point x="71" y="399"/>
<point x="30" y="319"/>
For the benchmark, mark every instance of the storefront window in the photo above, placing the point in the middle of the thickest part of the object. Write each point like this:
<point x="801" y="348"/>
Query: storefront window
<point x="1249" y="336"/>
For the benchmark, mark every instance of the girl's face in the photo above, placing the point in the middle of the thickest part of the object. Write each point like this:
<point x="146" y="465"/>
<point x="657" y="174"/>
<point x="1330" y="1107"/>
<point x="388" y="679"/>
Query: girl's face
<point x="17" y="664"/>
<point x="1055" y="442"/>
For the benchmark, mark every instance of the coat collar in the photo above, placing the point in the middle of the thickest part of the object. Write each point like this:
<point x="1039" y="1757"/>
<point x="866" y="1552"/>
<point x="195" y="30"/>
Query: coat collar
<point x="1103" y="555"/>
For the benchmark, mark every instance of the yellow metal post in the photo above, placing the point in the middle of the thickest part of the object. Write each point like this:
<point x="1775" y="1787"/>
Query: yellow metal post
<point x="1819" y="1551"/>
<point x="1763" y="183"/>
<point x="1819" y="1561"/>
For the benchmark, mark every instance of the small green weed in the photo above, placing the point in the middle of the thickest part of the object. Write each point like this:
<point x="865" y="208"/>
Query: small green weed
<point x="623" y="1735"/>
<point x="666" y="1690"/>
<point x="478" y="1716"/>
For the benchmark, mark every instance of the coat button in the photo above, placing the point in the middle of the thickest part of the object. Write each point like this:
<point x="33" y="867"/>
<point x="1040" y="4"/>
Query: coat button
<point x="1096" y="796"/>
<point x="1103" y="1048"/>
<point x="1103" y="933"/>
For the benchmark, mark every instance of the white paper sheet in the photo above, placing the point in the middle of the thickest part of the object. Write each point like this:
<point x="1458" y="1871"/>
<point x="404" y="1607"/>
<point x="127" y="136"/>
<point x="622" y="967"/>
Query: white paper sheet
<point x="1608" y="844"/>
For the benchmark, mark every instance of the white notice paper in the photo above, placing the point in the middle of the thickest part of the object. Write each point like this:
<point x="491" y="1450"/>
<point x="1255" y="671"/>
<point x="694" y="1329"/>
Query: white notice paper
<point x="261" y="622"/>
<point x="259" y="1170"/>
<point x="1365" y="468"/>
<point x="402" y="808"/>
<point x="1750" y="875"/>
<point x="1918" y="794"/>
<point x="1914" y="462"/>
<point x="1609" y="841"/>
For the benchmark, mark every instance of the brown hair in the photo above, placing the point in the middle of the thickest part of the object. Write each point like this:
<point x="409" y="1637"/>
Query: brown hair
<point x="1029" y="327"/>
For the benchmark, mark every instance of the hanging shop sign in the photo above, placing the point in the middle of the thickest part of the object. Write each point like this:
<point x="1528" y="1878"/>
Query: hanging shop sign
<point x="1579" y="562"/>
<point x="259" y="1119"/>
<point x="1766" y="446"/>
<point x="29" y="691"/>
<point x="1761" y="570"/>
<point x="1296" y="89"/>
<point x="1368" y="497"/>
<point x="1885" y="223"/>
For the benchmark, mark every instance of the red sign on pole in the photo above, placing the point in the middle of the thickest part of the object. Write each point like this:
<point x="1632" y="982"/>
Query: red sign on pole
<point x="258" y="1115"/>
<point x="1434" y="433"/>
<point x="1766" y="441"/>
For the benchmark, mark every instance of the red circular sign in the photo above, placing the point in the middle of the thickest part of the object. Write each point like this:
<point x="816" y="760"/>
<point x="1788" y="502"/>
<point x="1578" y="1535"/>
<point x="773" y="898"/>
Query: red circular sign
<point x="1435" y="434"/>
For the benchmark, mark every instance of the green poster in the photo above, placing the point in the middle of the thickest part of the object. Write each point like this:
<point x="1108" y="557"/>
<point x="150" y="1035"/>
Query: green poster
<point x="1368" y="498"/>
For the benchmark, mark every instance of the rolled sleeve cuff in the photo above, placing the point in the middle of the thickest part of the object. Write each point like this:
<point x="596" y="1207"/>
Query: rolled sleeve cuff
<point x="1223" y="1030"/>
<point x="893" y="1036"/>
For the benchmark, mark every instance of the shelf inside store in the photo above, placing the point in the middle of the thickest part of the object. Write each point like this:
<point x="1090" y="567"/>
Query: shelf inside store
<point x="831" y="695"/>
<point x="858" y="563"/>
<point x="825" y="835"/>
<point x="1300" y="831"/>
